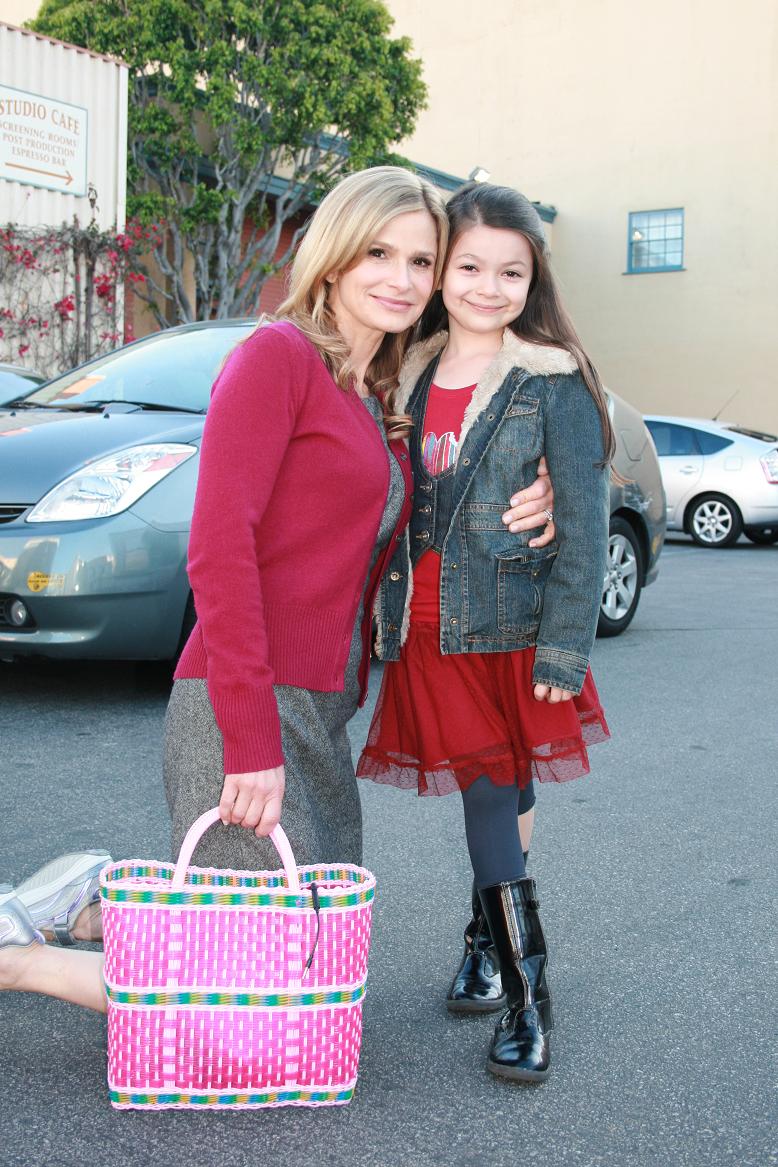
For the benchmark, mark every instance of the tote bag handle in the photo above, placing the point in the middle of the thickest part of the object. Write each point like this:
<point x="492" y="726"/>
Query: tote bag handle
<point x="201" y="825"/>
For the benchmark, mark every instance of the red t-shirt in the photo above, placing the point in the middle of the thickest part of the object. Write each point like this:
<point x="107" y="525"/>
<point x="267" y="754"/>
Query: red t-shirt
<point x="442" y="427"/>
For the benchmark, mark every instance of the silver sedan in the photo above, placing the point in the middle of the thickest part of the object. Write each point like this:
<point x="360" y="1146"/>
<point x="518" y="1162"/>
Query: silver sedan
<point x="720" y="480"/>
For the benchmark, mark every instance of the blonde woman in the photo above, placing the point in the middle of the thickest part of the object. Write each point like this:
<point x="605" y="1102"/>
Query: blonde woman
<point x="303" y="494"/>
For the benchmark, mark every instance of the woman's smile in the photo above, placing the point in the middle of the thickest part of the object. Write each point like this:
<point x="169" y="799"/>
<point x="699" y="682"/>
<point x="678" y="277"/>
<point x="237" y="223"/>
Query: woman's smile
<point x="392" y="304"/>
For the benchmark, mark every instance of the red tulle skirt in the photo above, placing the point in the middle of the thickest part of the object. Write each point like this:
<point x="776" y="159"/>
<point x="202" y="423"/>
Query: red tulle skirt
<point x="440" y="722"/>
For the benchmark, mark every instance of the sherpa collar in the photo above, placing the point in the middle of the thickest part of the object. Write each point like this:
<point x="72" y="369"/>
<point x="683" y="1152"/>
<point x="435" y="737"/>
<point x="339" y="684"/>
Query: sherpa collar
<point x="537" y="359"/>
<point x="515" y="353"/>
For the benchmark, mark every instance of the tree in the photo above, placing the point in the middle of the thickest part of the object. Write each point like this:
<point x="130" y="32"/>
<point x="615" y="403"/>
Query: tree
<point x="241" y="115"/>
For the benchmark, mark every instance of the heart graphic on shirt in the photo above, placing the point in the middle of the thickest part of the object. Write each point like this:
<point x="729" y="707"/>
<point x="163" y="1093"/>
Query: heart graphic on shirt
<point x="438" y="453"/>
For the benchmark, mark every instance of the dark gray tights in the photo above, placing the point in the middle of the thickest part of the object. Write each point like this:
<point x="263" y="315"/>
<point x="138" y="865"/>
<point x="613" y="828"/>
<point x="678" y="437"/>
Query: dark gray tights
<point x="491" y="828"/>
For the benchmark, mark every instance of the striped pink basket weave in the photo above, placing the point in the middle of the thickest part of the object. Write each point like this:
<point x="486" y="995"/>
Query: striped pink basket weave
<point x="233" y="988"/>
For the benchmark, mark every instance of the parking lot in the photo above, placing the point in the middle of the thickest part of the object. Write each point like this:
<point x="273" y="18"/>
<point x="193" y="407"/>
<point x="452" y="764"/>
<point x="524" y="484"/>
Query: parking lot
<point x="656" y="875"/>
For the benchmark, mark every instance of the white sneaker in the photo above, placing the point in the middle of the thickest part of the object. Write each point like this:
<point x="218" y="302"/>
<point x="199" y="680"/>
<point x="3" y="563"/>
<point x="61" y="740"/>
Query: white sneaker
<point x="58" y="892"/>
<point x="16" y="927"/>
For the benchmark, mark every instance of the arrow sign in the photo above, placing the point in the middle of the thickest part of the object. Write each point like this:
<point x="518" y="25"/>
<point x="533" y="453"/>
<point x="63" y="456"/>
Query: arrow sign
<point x="66" y="178"/>
<point x="43" y="141"/>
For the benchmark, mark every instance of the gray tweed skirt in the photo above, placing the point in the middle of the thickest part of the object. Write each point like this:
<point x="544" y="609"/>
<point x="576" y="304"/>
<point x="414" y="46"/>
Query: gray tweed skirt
<point x="321" y="810"/>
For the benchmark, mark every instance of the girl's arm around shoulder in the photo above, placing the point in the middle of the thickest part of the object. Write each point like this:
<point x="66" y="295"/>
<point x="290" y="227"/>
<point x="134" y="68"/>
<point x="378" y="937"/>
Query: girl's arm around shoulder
<point x="574" y="451"/>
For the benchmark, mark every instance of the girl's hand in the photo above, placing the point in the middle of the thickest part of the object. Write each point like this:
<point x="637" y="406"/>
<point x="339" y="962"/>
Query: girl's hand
<point x="529" y="508"/>
<point x="253" y="800"/>
<point x="552" y="695"/>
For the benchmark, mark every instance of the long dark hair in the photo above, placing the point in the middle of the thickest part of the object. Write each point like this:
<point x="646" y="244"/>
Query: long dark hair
<point x="544" y="319"/>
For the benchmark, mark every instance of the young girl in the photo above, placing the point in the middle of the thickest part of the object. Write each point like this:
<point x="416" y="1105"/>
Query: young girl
<point x="492" y="686"/>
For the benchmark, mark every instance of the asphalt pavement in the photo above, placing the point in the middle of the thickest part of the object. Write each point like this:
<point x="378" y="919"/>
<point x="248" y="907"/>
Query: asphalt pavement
<point x="657" y="880"/>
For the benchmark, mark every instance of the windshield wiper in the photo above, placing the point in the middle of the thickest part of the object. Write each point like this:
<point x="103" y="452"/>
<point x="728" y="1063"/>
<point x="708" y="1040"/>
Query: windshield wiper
<point x="92" y="406"/>
<point x="22" y="404"/>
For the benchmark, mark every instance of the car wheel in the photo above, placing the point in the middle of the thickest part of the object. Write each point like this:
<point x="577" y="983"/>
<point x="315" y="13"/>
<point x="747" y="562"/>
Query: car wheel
<point x="770" y="535"/>
<point x="714" y="521"/>
<point x="190" y="619"/>
<point x="623" y="579"/>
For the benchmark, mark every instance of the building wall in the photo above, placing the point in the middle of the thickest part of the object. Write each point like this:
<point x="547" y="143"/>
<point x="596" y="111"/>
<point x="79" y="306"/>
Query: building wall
<point x="609" y="107"/>
<point x="18" y="11"/>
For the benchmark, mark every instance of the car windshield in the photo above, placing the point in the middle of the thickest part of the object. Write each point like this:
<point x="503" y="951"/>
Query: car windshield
<point x="169" y="370"/>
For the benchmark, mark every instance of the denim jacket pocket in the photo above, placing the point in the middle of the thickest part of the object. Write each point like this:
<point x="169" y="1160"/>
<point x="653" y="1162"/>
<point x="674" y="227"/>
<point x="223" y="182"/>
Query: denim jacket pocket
<point x="520" y="432"/>
<point x="521" y="578"/>
<point x="521" y="406"/>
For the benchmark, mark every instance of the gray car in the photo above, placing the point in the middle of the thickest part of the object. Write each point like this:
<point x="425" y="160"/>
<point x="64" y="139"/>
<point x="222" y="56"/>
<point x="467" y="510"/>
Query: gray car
<point x="637" y="521"/>
<point x="97" y="480"/>
<point x="721" y="480"/>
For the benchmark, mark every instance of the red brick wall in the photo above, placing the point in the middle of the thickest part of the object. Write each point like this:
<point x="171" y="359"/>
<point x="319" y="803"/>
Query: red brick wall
<point x="274" y="290"/>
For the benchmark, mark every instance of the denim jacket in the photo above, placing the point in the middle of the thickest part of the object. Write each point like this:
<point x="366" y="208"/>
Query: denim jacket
<point x="497" y="594"/>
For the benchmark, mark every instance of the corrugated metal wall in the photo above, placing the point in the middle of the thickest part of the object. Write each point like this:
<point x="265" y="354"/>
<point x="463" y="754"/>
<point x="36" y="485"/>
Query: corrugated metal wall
<point x="38" y="65"/>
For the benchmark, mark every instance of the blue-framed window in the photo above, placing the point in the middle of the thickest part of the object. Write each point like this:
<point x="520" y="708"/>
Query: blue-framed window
<point x="655" y="241"/>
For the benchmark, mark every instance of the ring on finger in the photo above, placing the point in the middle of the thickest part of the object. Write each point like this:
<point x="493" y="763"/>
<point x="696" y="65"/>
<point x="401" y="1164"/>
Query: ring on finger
<point x="549" y="514"/>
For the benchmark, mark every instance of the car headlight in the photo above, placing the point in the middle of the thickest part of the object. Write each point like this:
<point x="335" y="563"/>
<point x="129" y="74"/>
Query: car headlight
<point x="109" y="485"/>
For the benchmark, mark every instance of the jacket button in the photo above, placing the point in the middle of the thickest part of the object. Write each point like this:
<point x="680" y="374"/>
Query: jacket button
<point x="423" y="535"/>
<point x="392" y="627"/>
<point x="465" y="461"/>
<point x="454" y="566"/>
<point x="395" y="575"/>
<point x="426" y="487"/>
<point x="490" y="417"/>
<point x="453" y="620"/>
<point x="427" y="510"/>
<point x="398" y="538"/>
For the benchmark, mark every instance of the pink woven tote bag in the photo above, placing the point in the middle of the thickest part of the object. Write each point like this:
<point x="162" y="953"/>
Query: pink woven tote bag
<point x="233" y="988"/>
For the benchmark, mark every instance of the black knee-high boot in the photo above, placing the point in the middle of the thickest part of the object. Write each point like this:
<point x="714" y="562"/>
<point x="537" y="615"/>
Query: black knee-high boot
<point x="520" y="1048"/>
<point x="476" y="987"/>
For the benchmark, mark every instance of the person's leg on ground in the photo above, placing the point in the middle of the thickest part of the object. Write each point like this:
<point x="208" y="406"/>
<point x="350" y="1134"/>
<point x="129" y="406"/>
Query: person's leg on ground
<point x="29" y="966"/>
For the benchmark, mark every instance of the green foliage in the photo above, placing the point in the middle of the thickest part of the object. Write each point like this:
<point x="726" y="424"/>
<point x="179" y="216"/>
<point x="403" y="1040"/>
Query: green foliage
<point x="227" y="99"/>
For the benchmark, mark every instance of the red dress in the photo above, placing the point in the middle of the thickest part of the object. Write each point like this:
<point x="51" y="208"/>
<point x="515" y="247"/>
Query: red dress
<point x="440" y="722"/>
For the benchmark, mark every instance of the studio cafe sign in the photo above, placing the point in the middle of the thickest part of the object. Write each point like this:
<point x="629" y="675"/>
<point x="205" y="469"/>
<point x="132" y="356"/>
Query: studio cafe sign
<point x="43" y="141"/>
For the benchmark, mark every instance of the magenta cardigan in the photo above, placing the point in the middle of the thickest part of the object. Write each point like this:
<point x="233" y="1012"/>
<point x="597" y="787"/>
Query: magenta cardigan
<point x="292" y="484"/>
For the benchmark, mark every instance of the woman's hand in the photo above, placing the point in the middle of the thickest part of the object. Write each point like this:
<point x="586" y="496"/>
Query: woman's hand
<point x="552" y="695"/>
<point x="253" y="800"/>
<point x="531" y="507"/>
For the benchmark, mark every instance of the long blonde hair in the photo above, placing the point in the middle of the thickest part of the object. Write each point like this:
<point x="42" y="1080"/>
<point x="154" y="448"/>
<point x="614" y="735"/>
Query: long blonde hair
<point x="346" y="222"/>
